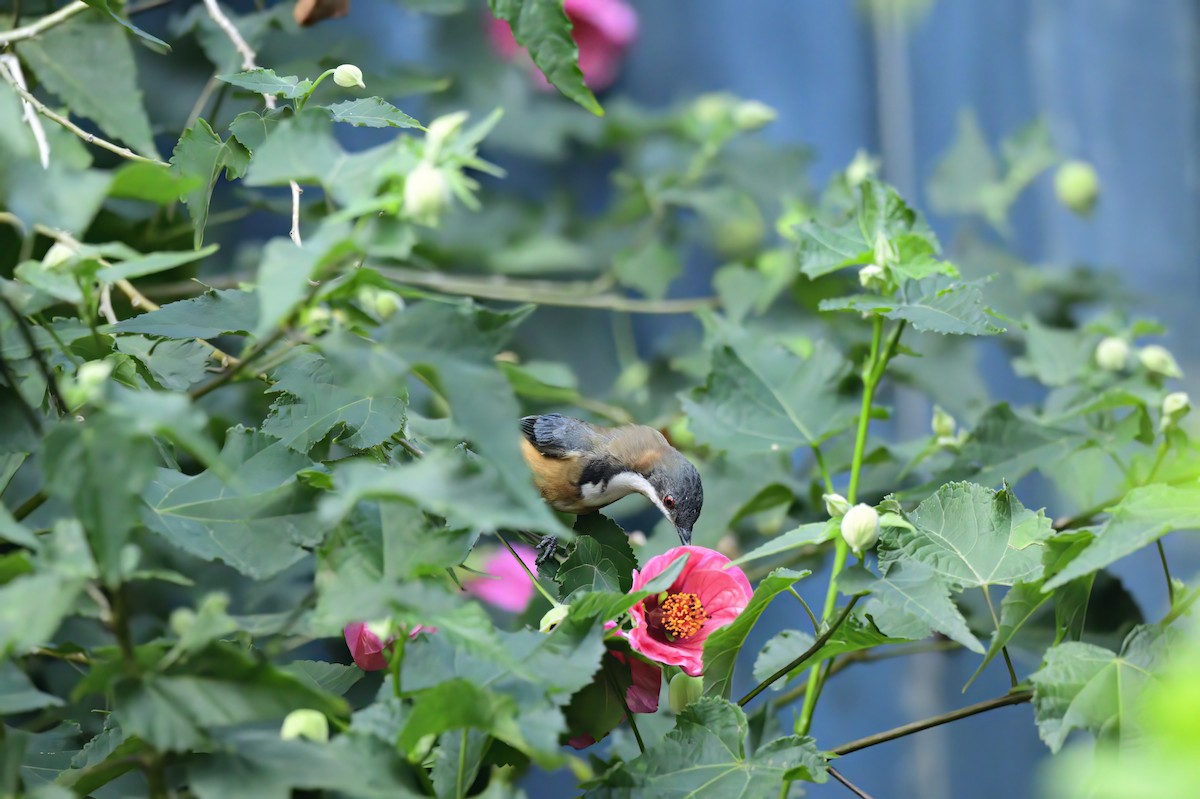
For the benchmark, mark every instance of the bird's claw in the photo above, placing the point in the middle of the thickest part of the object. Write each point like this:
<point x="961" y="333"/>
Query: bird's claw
<point x="547" y="548"/>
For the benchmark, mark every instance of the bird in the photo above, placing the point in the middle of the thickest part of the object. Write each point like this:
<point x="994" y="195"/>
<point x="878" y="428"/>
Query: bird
<point x="580" y="467"/>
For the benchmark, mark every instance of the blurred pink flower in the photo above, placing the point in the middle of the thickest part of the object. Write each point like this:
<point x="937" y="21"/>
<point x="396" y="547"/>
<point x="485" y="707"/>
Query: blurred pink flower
<point x="368" y="651"/>
<point x="642" y="696"/>
<point x="603" y="30"/>
<point x="672" y="626"/>
<point x="582" y="741"/>
<point x="509" y="587"/>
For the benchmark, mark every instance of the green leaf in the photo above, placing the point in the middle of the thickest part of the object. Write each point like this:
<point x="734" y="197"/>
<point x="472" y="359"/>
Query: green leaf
<point x="259" y="522"/>
<point x="332" y="677"/>
<point x="17" y="694"/>
<point x="768" y="400"/>
<point x="31" y="609"/>
<point x="89" y="65"/>
<point x="707" y="755"/>
<point x="910" y="602"/>
<point x="152" y="183"/>
<point x="602" y="559"/>
<point x="175" y="365"/>
<point x="311" y="405"/>
<point x="971" y="537"/>
<point x="1086" y="687"/>
<point x="1145" y="515"/>
<point x="803" y="536"/>
<point x="198" y="159"/>
<point x="1018" y="607"/>
<point x="213" y="313"/>
<point x="290" y="270"/>
<point x="300" y="148"/>
<point x="649" y="269"/>
<point x="723" y="645"/>
<point x="542" y="28"/>
<point x="152" y="264"/>
<point x="1006" y="447"/>
<point x="947" y="308"/>
<point x="371" y="112"/>
<point x="265" y="81"/>
<point x="1054" y="356"/>
<point x="153" y="41"/>
<point x="852" y="636"/>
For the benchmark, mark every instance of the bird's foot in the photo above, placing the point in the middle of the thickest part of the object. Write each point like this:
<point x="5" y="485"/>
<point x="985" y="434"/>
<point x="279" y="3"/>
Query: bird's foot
<point x="547" y="548"/>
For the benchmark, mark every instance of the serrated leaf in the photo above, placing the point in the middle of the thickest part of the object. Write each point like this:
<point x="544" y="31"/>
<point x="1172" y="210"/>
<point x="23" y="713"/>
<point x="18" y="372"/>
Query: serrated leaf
<point x="852" y="636"/>
<point x="1086" y="687"/>
<point x="212" y="314"/>
<point x="602" y="559"/>
<point x="17" y="693"/>
<point x="153" y="41"/>
<point x="198" y="159"/>
<point x="301" y="149"/>
<point x="259" y="522"/>
<point x="649" y="269"/>
<point x="371" y="112"/>
<point x="950" y="309"/>
<point x="768" y="400"/>
<point x="1053" y="356"/>
<point x="152" y="183"/>
<point x="803" y="536"/>
<point x="265" y="81"/>
<point x="65" y="58"/>
<point x="1145" y="515"/>
<point x="543" y="29"/>
<point x="707" y="754"/>
<point x="910" y="602"/>
<point x="32" y="607"/>
<point x="971" y="536"/>
<point x="723" y="645"/>
<point x="175" y="365"/>
<point x="1006" y="447"/>
<point x="152" y="264"/>
<point x="332" y="677"/>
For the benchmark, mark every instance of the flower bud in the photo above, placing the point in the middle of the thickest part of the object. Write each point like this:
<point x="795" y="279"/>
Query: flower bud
<point x="860" y="527"/>
<point x="835" y="505"/>
<point x="752" y="115"/>
<point x="1112" y="354"/>
<point x="91" y="376"/>
<point x="711" y="108"/>
<point x="553" y="618"/>
<point x="305" y="723"/>
<point x="57" y="255"/>
<point x="872" y="277"/>
<point x="348" y="76"/>
<point x="885" y="251"/>
<point x="380" y="302"/>
<point x="426" y="193"/>
<point x="1159" y="359"/>
<point x="1077" y="186"/>
<point x="382" y="629"/>
<point x="443" y="128"/>
<point x="943" y="424"/>
<point x="862" y="167"/>
<point x="683" y="690"/>
<point x="1175" y="406"/>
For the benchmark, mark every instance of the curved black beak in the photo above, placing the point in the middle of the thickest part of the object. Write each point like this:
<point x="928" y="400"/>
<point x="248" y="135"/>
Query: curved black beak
<point x="685" y="535"/>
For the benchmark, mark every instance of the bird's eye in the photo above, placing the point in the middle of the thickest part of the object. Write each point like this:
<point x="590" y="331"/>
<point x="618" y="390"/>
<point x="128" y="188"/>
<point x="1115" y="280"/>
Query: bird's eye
<point x="669" y="502"/>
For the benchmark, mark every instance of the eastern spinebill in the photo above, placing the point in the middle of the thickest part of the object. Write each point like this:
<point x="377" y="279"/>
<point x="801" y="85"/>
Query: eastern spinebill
<point x="580" y="467"/>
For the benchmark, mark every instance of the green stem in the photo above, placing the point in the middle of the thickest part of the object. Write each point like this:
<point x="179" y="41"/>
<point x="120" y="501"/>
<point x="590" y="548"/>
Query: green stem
<point x="825" y="477"/>
<point x="812" y="617"/>
<point x="532" y="577"/>
<point x="1012" y="672"/>
<point x="396" y="660"/>
<point x="616" y="689"/>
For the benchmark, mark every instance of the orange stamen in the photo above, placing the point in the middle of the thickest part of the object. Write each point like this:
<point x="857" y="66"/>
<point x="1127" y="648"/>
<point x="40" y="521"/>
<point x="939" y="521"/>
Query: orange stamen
<point x="683" y="615"/>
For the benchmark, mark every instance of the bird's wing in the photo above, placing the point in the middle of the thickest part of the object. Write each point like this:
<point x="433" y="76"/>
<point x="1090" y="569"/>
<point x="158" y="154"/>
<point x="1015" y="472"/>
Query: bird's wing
<point x="558" y="436"/>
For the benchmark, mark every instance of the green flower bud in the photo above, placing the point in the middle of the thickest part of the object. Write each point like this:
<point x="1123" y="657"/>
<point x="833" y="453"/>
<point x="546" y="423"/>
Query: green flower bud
<point x="835" y="505"/>
<point x="1077" y="186"/>
<point x="752" y="115"/>
<point x="1175" y="406"/>
<point x="348" y="76"/>
<point x="885" y="251"/>
<point x="426" y="193"/>
<point x="683" y="690"/>
<point x="860" y="527"/>
<point x="861" y="168"/>
<point x="443" y="128"/>
<point x="711" y="108"/>
<point x="1112" y="354"/>
<point x="305" y="723"/>
<point x="553" y="618"/>
<point x="1159" y="360"/>
<point x="57" y="255"/>
<point x="88" y="383"/>
<point x="872" y="278"/>
<point x="380" y="302"/>
<point x="943" y="424"/>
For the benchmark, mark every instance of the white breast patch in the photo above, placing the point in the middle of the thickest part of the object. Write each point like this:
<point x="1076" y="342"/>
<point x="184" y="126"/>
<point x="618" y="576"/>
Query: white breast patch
<point x="620" y="485"/>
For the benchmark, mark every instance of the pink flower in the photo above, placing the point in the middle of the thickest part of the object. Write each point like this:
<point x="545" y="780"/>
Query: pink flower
<point x="366" y="648"/>
<point x="582" y="741"/>
<point x="642" y="695"/>
<point x="672" y="626"/>
<point x="509" y="587"/>
<point x="603" y="30"/>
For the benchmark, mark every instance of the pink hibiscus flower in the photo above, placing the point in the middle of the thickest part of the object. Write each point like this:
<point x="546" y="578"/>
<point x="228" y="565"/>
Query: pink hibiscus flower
<point x="370" y="653"/>
<point x="602" y="29"/>
<point x="672" y="626"/>
<point x="508" y="587"/>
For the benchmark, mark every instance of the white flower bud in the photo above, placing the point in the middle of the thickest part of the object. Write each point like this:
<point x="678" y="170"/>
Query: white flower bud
<point x="1077" y="186"/>
<point x="426" y="193"/>
<point x="860" y="527"/>
<point x="711" y="108"/>
<point x="1160" y="360"/>
<point x="57" y="255"/>
<point x="835" y="505"/>
<point x="683" y="690"/>
<point x="885" y="251"/>
<point x="348" y="76"/>
<point x="872" y="277"/>
<point x="1112" y="354"/>
<point x="553" y="618"/>
<point x="862" y="167"/>
<point x="381" y="629"/>
<point x="1175" y="406"/>
<point x="943" y="424"/>
<point x="443" y="128"/>
<point x="92" y="375"/>
<point x="305" y="723"/>
<point x="752" y="115"/>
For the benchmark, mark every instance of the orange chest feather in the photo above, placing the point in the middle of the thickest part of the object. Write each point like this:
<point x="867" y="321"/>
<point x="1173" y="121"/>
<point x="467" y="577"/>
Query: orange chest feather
<point x="556" y="478"/>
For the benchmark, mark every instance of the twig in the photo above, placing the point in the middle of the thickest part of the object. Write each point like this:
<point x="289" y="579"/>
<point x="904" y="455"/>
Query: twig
<point x="1162" y="556"/>
<point x="1017" y="698"/>
<point x="249" y="62"/>
<point x="29" y="112"/>
<point x="842" y="663"/>
<point x="105" y="305"/>
<point x="238" y="365"/>
<point x="90" y="138"/>
<point x="43" y="24"/>
<point x="805" y="656"/>
<point x="542" y="292"/>
<point x="854" y="789"/>
<point x="70" y="657"/>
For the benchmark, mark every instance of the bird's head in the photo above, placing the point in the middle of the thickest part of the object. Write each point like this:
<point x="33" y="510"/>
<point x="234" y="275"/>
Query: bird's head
<point x="680" y="494"/>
